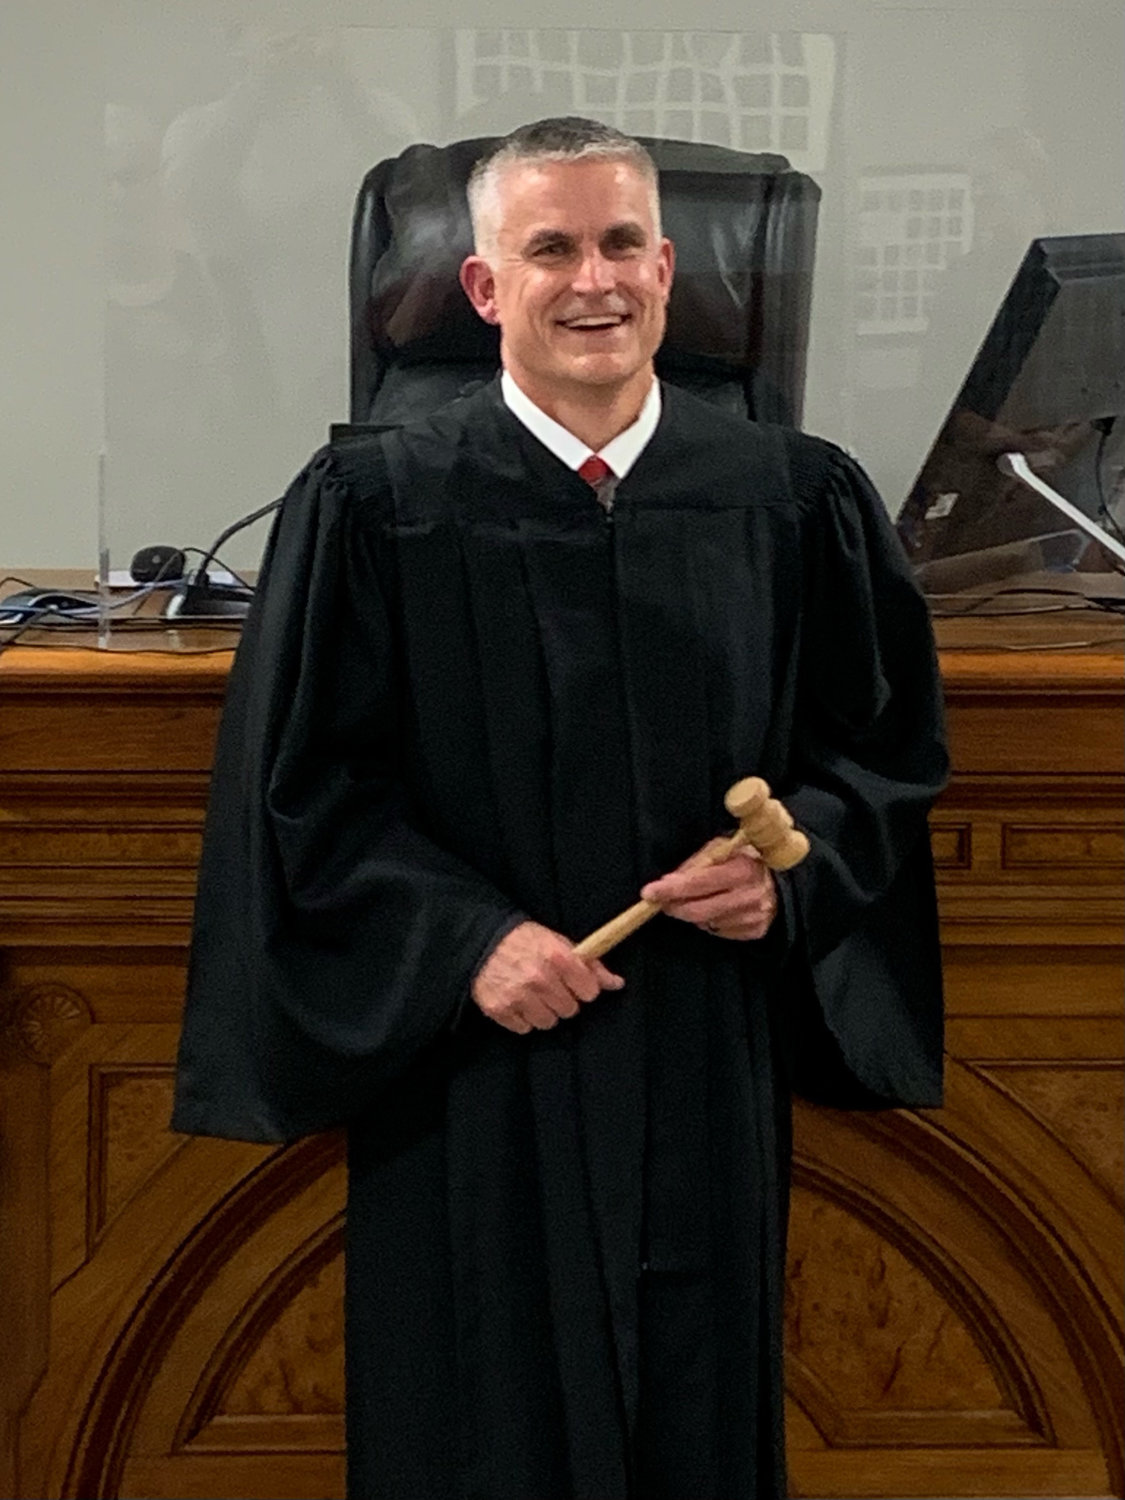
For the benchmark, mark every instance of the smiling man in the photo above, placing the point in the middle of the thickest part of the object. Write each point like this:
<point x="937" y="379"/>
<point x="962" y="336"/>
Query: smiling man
<point x="502" y="666"/>
<point x="572" y="266"/>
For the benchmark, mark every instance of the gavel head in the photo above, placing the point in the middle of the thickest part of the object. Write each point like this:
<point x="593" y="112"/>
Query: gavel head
<point x="766" y="824"/>
<point x="746" y="797"/>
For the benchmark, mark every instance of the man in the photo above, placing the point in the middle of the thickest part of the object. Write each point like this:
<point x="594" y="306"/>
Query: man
<point x="481" y="701"/>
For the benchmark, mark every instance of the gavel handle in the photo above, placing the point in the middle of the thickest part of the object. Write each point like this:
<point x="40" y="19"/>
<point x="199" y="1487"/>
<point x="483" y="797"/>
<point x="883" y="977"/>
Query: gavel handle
<point x="790" y="853"/>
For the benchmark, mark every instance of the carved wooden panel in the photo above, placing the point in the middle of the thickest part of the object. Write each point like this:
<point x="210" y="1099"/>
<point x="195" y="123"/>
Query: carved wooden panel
<point x="869" y="1333"/>
<point x="229" y="1353"/>
<point x="1081" y="1103"/>
<point x="129" y="1139"/>
<point x="40" y="1022"/>
<point x="952" y="844"/>
<point x="171" y="1308"/>
<point x="1091" y="848"/>
<point x="295" y="1367"/>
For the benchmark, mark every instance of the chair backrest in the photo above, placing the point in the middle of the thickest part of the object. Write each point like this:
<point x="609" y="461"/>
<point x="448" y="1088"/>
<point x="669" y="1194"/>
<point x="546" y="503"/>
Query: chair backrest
<point x="744" y="227"/>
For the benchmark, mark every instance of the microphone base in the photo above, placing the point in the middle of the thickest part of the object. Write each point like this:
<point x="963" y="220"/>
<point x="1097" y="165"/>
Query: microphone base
<point x="209" y="601"/>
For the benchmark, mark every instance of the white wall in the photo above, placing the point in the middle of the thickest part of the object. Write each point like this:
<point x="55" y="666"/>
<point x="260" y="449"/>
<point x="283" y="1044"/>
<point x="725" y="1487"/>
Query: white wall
<point x="180" y="257"/>
<point x="51" y="283"/>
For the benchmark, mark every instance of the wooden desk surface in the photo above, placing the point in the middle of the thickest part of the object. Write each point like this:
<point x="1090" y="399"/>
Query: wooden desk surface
<point x="1072" y="631"/>
<point x="170" y="1308"/>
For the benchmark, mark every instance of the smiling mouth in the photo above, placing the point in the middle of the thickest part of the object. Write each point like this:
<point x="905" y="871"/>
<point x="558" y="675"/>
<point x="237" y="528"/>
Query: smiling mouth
<point x="595" y="323"/>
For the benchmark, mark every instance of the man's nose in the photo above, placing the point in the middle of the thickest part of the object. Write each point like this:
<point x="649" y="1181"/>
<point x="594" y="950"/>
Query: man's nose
<point x="595" y="273"/>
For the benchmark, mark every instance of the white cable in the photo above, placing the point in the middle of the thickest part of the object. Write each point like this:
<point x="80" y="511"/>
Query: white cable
<point x="1016" y="465"/>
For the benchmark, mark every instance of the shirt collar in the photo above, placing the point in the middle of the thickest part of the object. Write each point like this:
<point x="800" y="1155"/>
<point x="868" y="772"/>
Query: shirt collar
<point x="620" y="453"/>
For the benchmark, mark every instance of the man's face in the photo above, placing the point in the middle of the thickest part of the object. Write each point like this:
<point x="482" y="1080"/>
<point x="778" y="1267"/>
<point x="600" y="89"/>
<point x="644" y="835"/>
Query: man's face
<point x="576" y="276"/>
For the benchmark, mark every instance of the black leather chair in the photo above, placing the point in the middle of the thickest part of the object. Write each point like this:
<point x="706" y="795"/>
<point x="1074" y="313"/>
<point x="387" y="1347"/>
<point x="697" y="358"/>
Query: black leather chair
<point x="744" y="227"/>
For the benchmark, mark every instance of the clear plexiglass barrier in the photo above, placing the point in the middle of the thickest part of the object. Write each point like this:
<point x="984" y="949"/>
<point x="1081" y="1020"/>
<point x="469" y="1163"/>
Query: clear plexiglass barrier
<point x="943" y="140"/>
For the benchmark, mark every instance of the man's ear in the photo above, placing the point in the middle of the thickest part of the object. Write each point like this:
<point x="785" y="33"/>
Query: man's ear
<point x="480" y="286"/>
<point x="667" y="260"/>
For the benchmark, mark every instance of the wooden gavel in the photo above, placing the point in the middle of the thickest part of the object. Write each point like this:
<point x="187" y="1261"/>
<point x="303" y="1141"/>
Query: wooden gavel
<point x="762" y="821"/>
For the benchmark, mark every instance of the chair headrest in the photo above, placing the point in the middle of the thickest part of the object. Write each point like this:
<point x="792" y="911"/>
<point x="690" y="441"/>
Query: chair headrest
<point x="744" y="230"/>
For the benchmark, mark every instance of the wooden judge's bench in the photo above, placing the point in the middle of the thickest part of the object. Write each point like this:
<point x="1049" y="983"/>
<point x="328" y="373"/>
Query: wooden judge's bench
<point x="170" y="1307"/>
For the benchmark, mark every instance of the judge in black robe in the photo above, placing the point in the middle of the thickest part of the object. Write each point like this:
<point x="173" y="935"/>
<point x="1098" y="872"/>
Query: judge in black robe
<point x="467" y="696"/>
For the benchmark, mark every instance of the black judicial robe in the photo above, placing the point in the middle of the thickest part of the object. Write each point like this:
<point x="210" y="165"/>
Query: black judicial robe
<point x="466" y="695"/>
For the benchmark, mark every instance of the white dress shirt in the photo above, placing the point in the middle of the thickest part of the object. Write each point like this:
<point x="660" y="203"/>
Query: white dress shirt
<point x="620" y="453"/>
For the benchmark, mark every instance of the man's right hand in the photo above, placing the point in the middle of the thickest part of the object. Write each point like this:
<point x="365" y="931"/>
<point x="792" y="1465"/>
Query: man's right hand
<point x="533" y="979"/>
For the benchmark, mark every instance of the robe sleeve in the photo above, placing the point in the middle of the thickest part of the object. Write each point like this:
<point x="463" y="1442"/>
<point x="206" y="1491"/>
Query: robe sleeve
<point x="334" y="943"/>
<point x="867" y="761"/>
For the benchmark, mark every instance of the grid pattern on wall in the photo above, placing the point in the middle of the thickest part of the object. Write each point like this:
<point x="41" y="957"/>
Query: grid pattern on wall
<point x="911" y="226"/>
<point x="759" y="91"/>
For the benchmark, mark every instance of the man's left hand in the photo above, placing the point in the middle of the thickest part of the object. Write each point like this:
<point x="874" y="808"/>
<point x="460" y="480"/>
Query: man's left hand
<point x="734" y="899"/>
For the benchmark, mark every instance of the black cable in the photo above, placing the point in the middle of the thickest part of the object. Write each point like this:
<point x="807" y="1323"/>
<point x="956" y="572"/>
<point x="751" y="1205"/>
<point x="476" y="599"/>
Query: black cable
<point x="78" y="614"/>
<point x="162" y="571"/>
<point x="45" y="616"/>
<point x="44" y="619"/>
<point x="157" y="624"/>
<point x="226" y="566"/>
<point x="224" y="649"/>
<point x="255" y="515"/>
<point x="1082" y="602"/>
<point x="31" y="616"/>
<point x="39" y="614"/>
<point x="197" y="595"/>
<point x="15" y="635"/>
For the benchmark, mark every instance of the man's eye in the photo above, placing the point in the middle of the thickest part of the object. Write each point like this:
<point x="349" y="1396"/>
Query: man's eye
<point x="624" y="244"/>
<point x="554" y="250"/>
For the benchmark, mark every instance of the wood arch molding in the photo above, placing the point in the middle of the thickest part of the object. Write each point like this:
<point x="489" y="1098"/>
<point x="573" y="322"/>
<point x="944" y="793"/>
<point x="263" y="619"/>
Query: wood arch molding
<point x="120" y="1389"/>
<point x="852" y="1152"/>
<point x="1019" y="1416"/>
<point x="244" y="1335"/>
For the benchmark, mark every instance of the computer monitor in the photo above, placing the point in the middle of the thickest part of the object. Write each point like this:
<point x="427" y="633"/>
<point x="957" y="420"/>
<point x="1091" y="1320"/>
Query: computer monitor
<point x="1048" y="386"/>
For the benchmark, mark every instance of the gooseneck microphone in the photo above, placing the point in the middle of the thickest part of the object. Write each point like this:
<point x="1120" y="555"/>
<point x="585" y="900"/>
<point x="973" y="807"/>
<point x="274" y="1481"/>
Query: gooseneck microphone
<point x="197" y="596"/>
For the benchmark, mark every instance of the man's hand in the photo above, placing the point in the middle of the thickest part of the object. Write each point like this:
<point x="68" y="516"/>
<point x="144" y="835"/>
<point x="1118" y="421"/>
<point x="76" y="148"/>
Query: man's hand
<point x="533" y="979"/>
<point x="734" y="899"/>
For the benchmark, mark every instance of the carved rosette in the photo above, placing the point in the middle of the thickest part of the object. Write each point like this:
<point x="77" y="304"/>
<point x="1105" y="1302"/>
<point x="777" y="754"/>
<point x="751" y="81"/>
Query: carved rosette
<point x="41" y="1022"/>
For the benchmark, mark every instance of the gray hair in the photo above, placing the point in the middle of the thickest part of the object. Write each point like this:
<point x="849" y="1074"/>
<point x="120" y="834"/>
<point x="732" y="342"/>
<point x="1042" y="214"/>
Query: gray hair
<point x="567" y="138"/>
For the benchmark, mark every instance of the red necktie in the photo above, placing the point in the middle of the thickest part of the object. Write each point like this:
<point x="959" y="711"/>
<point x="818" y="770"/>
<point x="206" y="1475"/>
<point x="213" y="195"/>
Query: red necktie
<point x="595" y="471"/>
